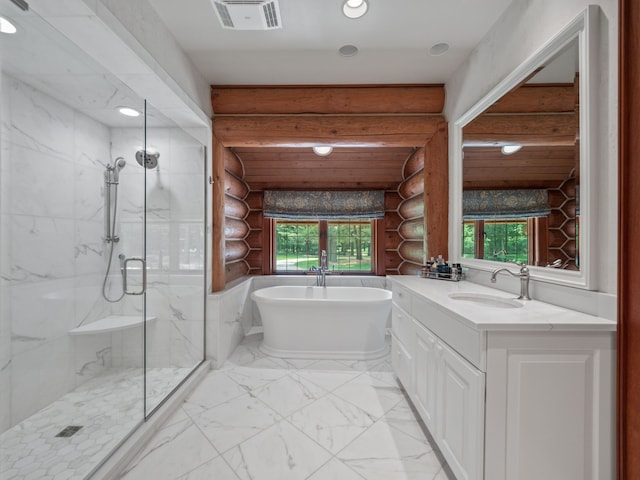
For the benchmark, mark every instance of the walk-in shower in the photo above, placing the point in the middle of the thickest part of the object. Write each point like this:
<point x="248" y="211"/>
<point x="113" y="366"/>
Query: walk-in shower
<point x="79" y="371"/>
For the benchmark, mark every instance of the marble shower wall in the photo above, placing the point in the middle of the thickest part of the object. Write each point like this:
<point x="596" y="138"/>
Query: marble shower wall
<point x="51" y="260"/>
<point x="175" y="245"/>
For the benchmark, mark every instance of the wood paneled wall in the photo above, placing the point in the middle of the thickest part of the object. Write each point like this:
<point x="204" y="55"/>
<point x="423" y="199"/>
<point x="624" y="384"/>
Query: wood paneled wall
<point x="236" y="218"/>
<point x="411" y="211"/>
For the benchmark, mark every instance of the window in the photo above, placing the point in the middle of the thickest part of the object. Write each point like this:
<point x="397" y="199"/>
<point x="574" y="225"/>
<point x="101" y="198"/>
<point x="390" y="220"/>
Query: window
<point x="502" y="240"/>
<point x="349" y="245"/>
<point x="296" y="245"/>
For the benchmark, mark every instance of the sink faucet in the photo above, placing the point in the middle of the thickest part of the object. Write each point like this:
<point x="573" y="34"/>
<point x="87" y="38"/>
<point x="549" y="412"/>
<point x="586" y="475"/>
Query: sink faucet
<point x="524" y="279"/>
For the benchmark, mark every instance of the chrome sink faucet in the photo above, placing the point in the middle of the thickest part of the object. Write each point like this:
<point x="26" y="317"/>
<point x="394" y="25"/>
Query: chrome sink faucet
<point x="524" y="278"/>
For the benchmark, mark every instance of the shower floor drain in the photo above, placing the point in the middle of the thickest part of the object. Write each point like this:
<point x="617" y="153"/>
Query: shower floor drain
<point x="69" y="431"/>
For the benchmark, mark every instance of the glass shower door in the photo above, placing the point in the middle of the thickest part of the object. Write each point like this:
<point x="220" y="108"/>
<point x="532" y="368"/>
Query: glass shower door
<point x="175" y="255"/>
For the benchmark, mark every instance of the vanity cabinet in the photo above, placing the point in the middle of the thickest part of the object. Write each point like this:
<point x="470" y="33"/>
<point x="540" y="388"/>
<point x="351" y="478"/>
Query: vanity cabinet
<point x="508" y="401"/>
<point x="445" y="389"/>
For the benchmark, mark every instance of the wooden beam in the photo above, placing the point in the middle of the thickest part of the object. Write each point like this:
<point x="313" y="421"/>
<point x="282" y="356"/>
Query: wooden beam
<point x="354" y="99"/>
<point x="321" y="184"/>
<point x="436" y="194"/>
<point x="307" y="131"/>
<point x="628" y="349"/>
<point x="531" y="130"/>
<point x="537" y="99"/>
<point x="218" y="277"/>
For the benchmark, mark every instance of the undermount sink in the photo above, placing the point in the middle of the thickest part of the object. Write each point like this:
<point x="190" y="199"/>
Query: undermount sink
<point x="486" y="300"/>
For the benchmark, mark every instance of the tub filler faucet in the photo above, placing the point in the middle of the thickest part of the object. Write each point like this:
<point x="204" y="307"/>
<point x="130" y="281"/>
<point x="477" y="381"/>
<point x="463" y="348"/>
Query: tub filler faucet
<point x="524" y="279"/>
<point x="321" y="271"/>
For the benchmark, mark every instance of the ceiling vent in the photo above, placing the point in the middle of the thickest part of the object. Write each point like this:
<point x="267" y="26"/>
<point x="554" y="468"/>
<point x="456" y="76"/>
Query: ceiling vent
<point x="248" y="14"/>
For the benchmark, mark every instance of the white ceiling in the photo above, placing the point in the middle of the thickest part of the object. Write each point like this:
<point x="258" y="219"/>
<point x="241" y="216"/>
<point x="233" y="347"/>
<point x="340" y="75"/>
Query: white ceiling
<point x="394" y="38"/>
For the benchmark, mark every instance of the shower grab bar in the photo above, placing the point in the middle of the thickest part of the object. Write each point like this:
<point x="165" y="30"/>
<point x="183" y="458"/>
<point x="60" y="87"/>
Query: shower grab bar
<point x="144" y="275"/>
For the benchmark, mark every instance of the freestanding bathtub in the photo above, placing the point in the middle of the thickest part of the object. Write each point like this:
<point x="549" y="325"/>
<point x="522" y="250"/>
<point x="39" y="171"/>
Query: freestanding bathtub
<point x="324" y="322"/>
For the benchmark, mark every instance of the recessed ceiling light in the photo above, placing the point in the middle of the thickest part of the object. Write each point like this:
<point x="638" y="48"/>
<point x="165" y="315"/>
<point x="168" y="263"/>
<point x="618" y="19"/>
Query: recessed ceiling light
<point x="355" y="8"/>
<point x="439" y="49"/>
<point x="6" y="26"/>
<point x="509" y="149"/>
<point x="129" y="112"/>
<point x="348" y="50"/>
<point x="322" y="150"/>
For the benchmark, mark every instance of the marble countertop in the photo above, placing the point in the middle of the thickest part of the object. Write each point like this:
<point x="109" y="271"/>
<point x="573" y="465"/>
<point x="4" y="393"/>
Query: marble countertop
<point x="534" y="315"/>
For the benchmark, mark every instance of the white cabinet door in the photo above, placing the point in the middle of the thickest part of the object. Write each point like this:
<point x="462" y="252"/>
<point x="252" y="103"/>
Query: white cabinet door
<point x="425" y="375"/>
<point x="460" y="414"/>
<point x="401" y="362"/>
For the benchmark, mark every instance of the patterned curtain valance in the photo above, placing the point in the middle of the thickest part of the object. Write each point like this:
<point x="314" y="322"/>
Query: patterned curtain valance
<point x="298" y="205"/>
<point x="504" y="204"/>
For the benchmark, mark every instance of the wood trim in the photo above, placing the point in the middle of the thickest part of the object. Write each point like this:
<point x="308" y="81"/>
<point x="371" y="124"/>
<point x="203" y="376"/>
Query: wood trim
<point x="436" y="194"/>
<point x="378" y="226"/>
<point x="268" y="259"/>
<point x="337" y="130"/>
<point x="354" y="99"/>
<point x="628" y="348"/>
<point x="479" y="242"/>
<point x="218" y="275"/>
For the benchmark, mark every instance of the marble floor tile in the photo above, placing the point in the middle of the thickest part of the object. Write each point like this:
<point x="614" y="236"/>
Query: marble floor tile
<point x="107" y="407"/>
<point x="233" y="422"/>
<point x="252" y="378"/>
<point x="214" y="389"/>
<point x="329" y="366"/>
<point x="327" y="380"/>
<point x="172" y="452"/>
<point x="279" y="453"/>
<point x="370" y="394"/>
<point x="335" y="470"/>
<point x="385" y="453"/>
<point x="403" y="418"/>
<point x="289" y="393"/>
<point x="216" y="469"/>
<point x="332" y="422"/>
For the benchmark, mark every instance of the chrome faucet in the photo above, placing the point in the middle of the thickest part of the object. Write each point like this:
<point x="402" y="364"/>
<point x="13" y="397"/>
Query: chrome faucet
<point x="524" y="278"/>
<point x="321" y="271"/>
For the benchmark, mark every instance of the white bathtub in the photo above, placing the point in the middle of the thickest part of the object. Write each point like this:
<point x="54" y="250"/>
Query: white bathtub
<point x="324" y="322"/>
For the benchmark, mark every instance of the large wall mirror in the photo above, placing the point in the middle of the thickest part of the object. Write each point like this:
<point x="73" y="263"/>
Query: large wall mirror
<point x="521" y="165"/>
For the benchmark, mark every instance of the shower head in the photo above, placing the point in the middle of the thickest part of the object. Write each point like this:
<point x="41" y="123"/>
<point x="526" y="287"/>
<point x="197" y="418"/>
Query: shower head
<point x="118" y="164"/>
<point x="147" y="159"/>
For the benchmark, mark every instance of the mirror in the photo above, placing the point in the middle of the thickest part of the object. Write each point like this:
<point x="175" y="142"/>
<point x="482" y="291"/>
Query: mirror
<point x="521" y="166"/>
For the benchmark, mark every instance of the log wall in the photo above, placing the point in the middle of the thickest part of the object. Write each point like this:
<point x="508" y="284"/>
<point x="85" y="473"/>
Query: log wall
<point x="562" y="224"/>
<point x="236" y="213"/>
<point x="255" y="258"/>
<point x="411" y="214"/>
<point x="392" y="239"/>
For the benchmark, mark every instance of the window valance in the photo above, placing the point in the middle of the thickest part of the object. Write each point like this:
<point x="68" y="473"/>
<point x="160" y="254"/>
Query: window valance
<point x="299" y="205"/>
<point x="504" y="204"/>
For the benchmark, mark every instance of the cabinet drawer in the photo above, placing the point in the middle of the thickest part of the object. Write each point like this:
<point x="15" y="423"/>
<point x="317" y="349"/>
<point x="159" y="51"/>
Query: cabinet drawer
<point x="466" y="341"/>
<point x="402" y="326"/>
<point x="401" y="362"/>
<point x="401" y="297"/>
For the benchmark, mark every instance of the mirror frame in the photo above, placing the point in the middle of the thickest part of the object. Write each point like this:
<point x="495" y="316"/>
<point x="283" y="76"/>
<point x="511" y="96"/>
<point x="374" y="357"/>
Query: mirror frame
<point x="584" y="28"/>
